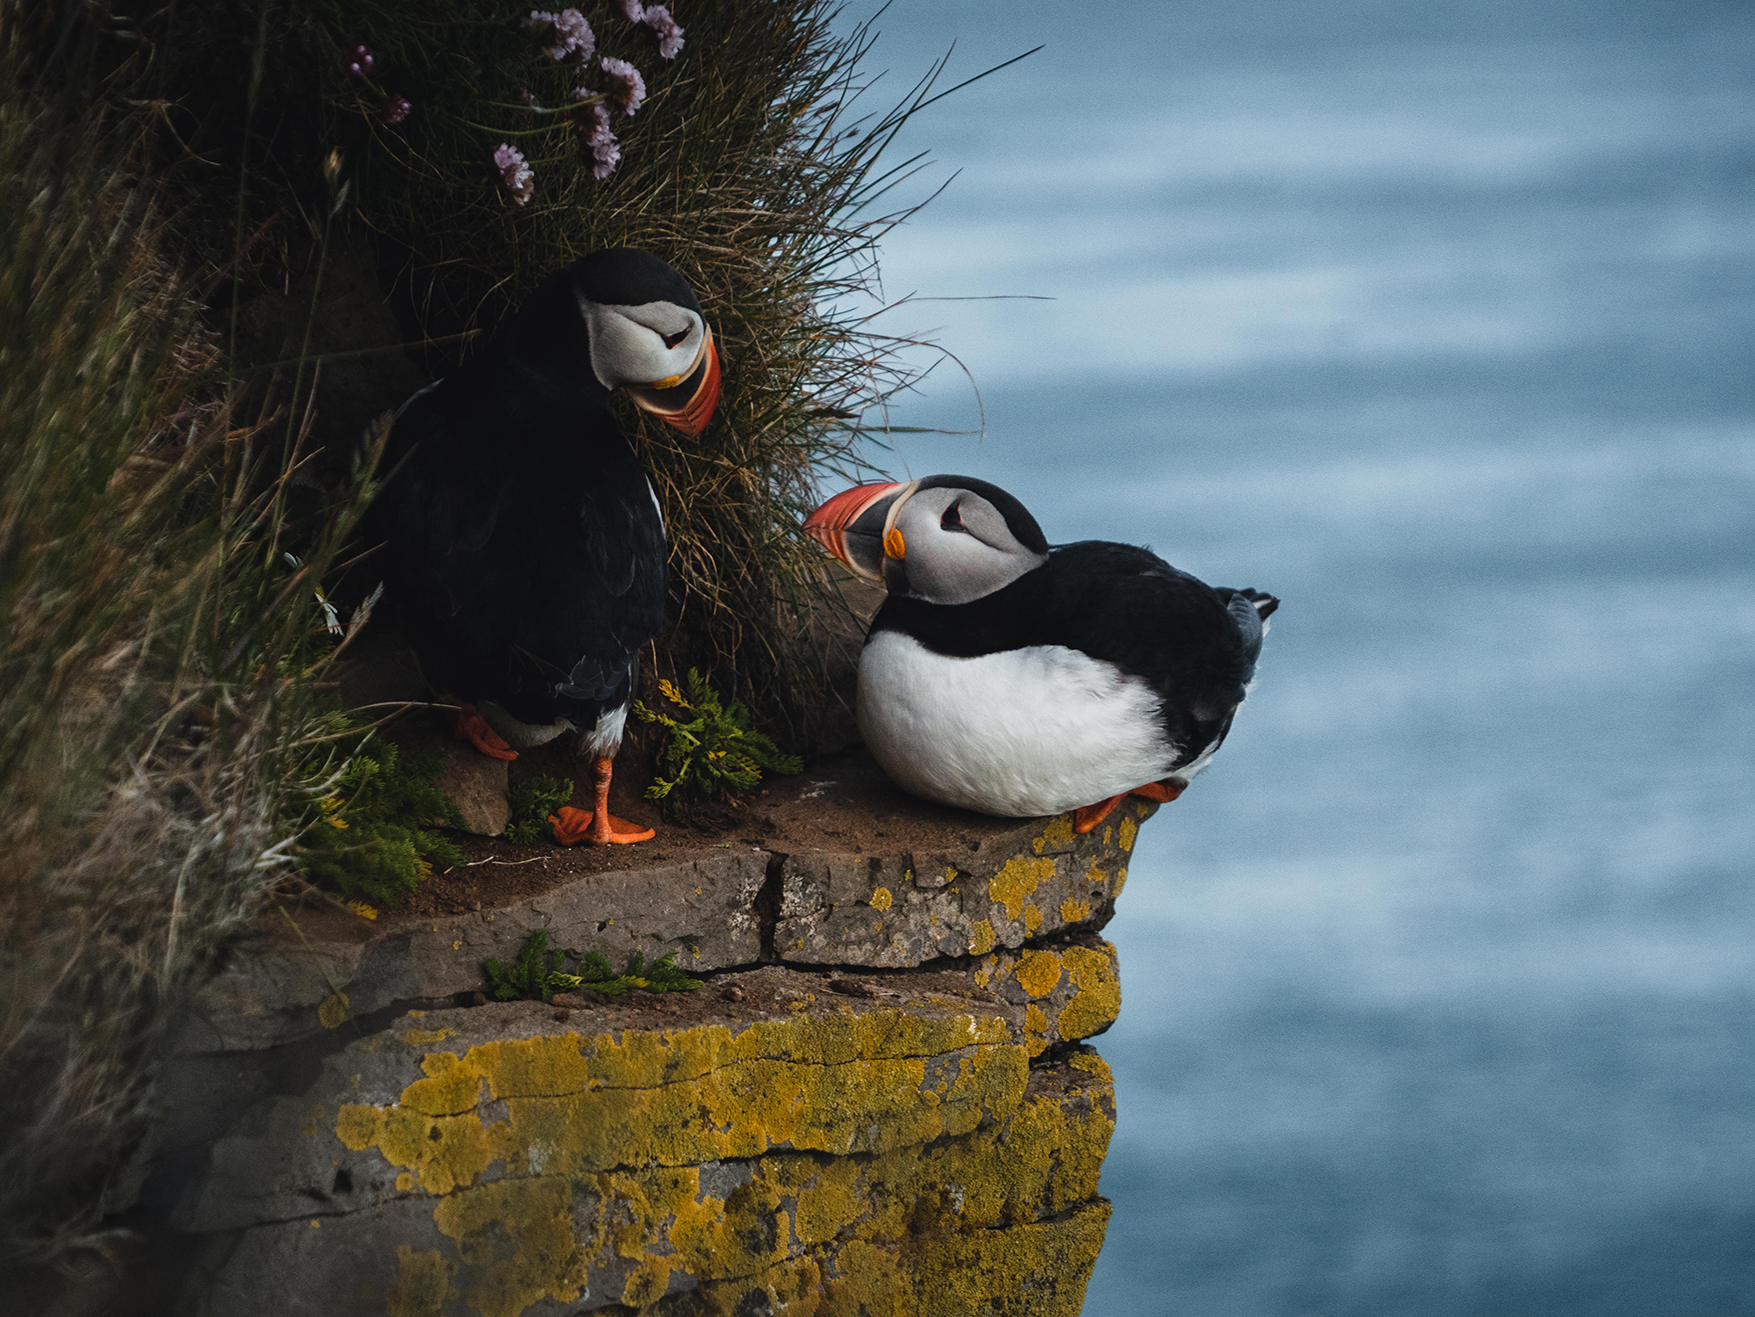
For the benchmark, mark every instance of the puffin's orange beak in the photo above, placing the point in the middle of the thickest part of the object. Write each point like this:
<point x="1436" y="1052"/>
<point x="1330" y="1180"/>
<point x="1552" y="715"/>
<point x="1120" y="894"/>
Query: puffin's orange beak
<point x="686" y="404"/>
<point x="857" y="526"/>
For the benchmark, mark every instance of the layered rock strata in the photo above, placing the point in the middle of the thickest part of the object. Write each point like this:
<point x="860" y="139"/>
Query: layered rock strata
<point x="879" y="1103"/>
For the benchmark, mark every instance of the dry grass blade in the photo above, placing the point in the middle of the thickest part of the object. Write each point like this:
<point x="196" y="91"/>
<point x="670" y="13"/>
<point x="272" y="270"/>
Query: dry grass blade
<point x="153" y="699"/>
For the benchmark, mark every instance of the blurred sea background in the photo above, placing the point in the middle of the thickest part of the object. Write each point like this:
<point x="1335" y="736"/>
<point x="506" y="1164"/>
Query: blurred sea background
<point x="1436" y="321"/>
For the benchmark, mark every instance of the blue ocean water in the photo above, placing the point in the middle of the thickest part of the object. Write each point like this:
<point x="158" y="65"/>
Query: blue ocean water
<point x="1436" y="321"/>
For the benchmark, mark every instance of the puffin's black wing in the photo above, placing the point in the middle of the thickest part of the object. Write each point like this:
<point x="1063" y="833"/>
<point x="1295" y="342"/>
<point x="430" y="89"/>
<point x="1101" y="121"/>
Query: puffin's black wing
<point x="524" y="550"/>
<point x="1127" y="606"/>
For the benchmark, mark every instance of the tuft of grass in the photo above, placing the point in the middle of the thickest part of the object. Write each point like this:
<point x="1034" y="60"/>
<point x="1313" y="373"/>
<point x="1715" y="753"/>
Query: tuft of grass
<point x="756" y="168"/>
<point x="158" y="654"/>
<point x="537" y="973"/>
<point x="533" y="800"/>
<point x="373" y="838"/>
<point x="714" y="752"/>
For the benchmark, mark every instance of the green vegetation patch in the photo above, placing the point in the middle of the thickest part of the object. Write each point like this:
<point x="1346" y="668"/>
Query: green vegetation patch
<point x="533" y="800"/>
<point x="374" y="840"/>
<point x="538" y="973"/>
<point x="712" y="751"/>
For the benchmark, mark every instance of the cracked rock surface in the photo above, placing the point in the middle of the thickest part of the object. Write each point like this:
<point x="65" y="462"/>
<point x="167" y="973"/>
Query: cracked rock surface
<point x="881" y="1101"/>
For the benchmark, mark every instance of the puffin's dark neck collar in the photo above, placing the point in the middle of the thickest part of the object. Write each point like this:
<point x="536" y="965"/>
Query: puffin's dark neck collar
<point x="1001" y="620"/>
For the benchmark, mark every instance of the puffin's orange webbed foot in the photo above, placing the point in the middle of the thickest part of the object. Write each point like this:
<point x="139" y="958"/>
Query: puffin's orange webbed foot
<point x="573" y="826"/>
<point x="468" y="725"/>
<point x="1087" y="817"/>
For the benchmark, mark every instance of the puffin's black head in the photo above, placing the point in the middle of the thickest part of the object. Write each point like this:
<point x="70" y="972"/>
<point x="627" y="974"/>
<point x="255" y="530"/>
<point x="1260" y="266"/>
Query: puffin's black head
<point x="944" y="539"/>
<point x="645" y="331"/>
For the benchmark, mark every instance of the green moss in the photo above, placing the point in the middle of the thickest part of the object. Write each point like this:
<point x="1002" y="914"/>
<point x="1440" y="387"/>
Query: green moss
<point x="714" y="752"/>
<point x="533" y="975"/>
<point x="373" y="838"/>
<point x="533" y="800"/>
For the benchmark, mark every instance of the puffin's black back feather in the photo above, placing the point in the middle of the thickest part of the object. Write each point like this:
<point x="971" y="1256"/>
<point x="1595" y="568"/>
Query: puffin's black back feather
<point x="524" y="552"/>
<point x="1119" y="604"/>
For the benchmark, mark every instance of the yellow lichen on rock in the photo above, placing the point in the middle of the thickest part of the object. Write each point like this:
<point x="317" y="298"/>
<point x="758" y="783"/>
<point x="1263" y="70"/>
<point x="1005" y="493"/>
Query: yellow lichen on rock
<point x="1074" y="912"/>
<point x="1096" y="1000"/>
<point x="880" y="899"/>
<point x="981" y="937"/>
<point x="332" y="1012"/>
<point x="1058" y="835"/>
<point x="1038" y="972"/>
<point x="534" y="1218"/>
<point x="574" y="1105"/>
<point x="421" y="1281"/>
<point x="1016" y="881"/>
<point x="883" y="1228"/>
<point x="1092" y="1064"/>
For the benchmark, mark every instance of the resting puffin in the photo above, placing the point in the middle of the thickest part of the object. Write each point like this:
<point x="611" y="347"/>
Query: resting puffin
<point x="1016" y="679"/>
<point x="524" y="546"/>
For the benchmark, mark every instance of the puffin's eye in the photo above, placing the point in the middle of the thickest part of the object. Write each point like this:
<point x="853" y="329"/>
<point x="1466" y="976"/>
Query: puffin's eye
<point x="671" y="340"/>
<point x="953" y="519"/>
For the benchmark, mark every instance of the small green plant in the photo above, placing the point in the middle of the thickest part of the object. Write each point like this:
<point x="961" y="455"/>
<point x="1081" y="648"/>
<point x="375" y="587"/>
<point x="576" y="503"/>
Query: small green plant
<point x="374" y="839"/>
<point x="533" y="800"/>
<point x="534" y="975"/>
<point x="661" y="975"/>
<point x="715" y="752"/>
<point x="528" y="975"/>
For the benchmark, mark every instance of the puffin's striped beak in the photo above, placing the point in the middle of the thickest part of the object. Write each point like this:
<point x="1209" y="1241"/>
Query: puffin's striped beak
<point x="685" y="402"/>
<point x="858" y="526"/>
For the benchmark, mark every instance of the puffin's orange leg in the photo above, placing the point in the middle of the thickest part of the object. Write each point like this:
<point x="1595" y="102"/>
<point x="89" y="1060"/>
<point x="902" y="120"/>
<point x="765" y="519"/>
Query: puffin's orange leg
<point x="597" y="826"/>
<point x="468" y="725"/>
<point x="1087" y="817"/>
<point x="1162" y="792"/>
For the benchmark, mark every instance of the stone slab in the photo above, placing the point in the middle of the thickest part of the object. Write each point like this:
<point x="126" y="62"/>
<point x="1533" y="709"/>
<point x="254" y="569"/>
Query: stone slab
<point x="898" y="909"/>
<point x="887" y="1156"/>
<point x="1070" y="988"/>
<point x="447" y="1100"/>
<point x="287" y="983"/>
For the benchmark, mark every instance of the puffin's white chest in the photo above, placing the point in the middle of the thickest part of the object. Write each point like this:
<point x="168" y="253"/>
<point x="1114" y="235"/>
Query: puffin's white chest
<point x="1019" y="733"/>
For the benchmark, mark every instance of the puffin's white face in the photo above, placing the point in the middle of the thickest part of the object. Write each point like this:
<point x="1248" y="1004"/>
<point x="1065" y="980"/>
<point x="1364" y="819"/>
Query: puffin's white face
<point x="653" y="346"/>
<point x="661" y="353"/>
<point x="955" y="547"/>
<point x="934" y="540"/>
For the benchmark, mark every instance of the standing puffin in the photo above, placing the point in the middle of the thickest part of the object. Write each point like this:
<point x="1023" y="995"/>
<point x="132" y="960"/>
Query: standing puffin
<point x="1016" y="679"/>
<point x="524" y="546"/>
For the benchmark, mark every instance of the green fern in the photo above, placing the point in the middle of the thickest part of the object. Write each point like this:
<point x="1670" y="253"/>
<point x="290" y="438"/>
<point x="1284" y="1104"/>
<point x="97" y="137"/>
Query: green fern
<point x="533" y="800"/>
<point x="529" y="975"/>
<point x="715" y="752"/>
<point x="373" y="838"/>
<point x="533" y="975"/>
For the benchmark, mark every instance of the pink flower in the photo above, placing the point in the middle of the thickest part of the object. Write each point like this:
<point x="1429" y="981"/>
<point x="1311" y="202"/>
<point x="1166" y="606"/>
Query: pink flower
<point x="664" y="27"/>
<point x="396" y="109"/>
<point x="632" y="10"/>
<point x="519" y="178"/>
<point x="572" y="35"/>
<point x="630" y="87"/>
<point x="606" y="152"/>
<point x="359" y="61"/>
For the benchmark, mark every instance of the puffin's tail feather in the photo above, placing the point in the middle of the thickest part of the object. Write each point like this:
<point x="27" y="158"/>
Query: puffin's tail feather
<point x="1250" y="610"/>
<point x="1264" y="603"/>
